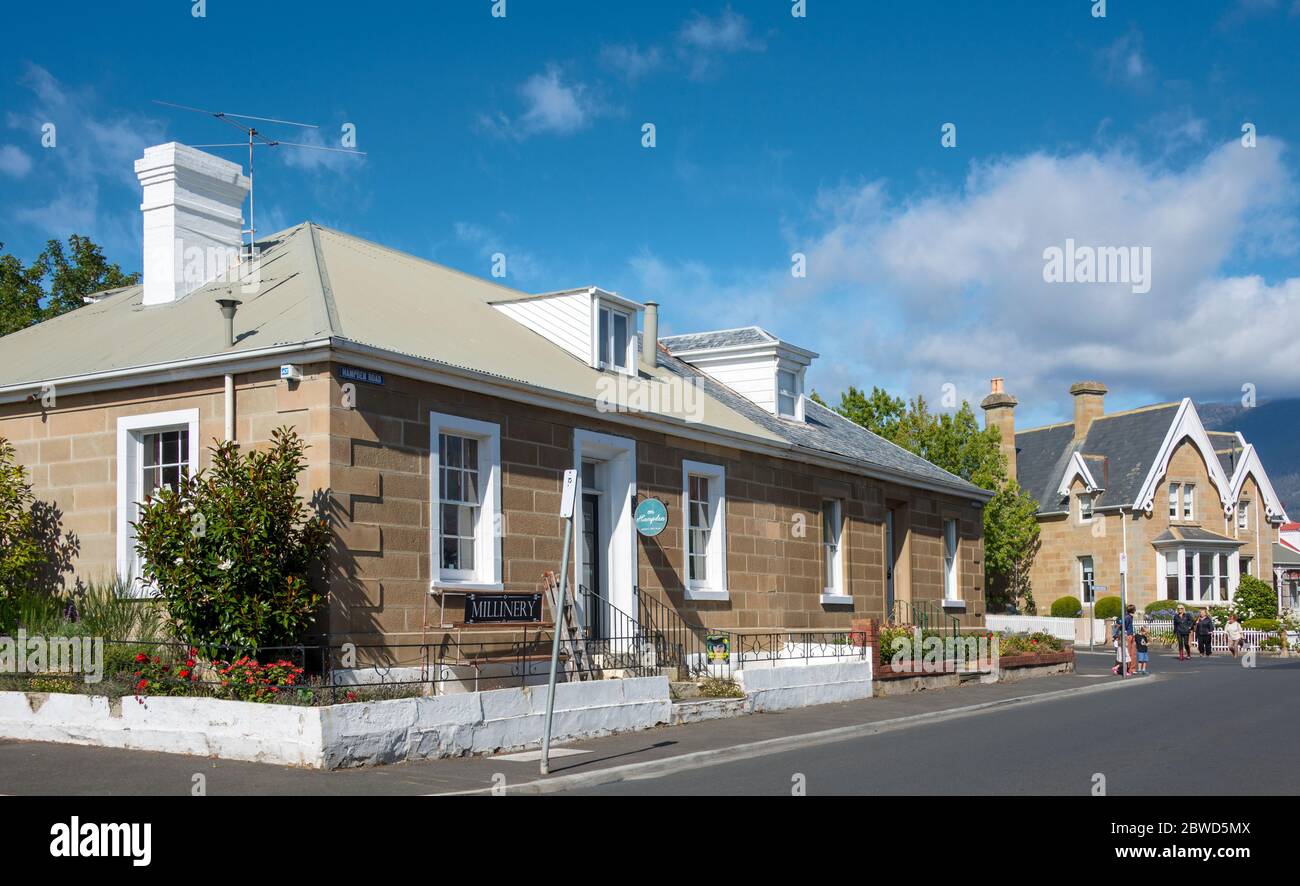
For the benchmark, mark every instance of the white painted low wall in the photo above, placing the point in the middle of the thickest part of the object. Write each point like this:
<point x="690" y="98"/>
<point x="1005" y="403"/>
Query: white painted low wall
<point x="484" y="722"/>
<point x="205" y="727"/>
<point x="339" y="735"/>
<point x="790" y="685"/>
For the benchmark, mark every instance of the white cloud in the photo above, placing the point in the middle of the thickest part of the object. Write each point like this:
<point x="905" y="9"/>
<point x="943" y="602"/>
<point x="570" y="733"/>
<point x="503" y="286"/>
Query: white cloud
<point x="948" y="288"/>
<point x="315" y="158"/>
<point x="14" y="161"/>
<point x="702" y="41"/>
<point x="552" y="106"/>
<point x="95" y="149"/>
<point x="1124" y="62"/>
<point x="630" y="62"/>
<point x="522" y="267"/>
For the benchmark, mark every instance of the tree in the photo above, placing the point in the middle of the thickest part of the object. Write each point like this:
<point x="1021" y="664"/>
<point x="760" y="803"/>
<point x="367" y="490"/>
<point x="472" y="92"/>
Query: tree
<point x="55" y="282"/>
<point x="20" y="554"/>
<point x="1254" y="599"/>
<point x="231" y="552"/>
<point x="955" y="442"/>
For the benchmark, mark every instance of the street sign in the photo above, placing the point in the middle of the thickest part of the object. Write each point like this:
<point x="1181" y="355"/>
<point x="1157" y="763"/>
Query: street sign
<point x="568" y="494"/>
<point x="1123" y="564"/>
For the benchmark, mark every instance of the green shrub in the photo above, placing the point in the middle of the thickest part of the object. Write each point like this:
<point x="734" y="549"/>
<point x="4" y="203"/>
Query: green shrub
<point x="718" y="687"/>
<point x="110" y="610"/>
<point x="1262" y="624"/>
<point x="230" y="553"/>
<point x="1106" y="607"/>
<point x="20" y="554"/>
<point x="1023" y="644"/>
<point x="1067" y="607"/>
<point x="1254" y="599"/>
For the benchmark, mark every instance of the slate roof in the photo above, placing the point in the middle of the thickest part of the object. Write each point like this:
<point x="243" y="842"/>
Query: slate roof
<point x="1118" y="449"/>
<point x="1194" y="534"/>
<point x="723" y="338"/>
<point x="1284" y="556"/>
<point x="825" y="430"/>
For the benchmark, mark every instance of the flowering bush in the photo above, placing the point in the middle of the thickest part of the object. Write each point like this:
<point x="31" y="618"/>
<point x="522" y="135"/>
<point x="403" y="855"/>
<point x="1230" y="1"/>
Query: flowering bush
<point x="154" y="676"/>
<point x="230" y="553"/>
<point x="1028" y="644"/>
<point x="247" y="679"/>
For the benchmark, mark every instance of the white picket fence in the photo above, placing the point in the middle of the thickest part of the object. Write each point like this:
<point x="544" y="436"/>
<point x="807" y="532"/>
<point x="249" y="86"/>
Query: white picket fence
<point x="1063" y="628"/>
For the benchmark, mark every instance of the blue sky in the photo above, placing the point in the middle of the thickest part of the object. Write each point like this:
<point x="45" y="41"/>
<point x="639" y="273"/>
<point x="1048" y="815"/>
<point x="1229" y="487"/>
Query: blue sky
<point x="775" y="135"/>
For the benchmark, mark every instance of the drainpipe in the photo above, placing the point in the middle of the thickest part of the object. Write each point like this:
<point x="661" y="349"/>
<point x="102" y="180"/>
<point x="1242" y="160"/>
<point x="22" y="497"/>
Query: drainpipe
<point x="228" y="307"/>
<point x="230" y="406"/>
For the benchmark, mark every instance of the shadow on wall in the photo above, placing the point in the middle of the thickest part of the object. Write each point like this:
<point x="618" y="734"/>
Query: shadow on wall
<point x="58" y="549"/>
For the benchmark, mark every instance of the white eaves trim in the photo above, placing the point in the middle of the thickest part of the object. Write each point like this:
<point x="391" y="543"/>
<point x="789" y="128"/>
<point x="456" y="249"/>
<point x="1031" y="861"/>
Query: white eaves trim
<point x="1186" y="425"/>
<point x="1250" y="464"/>
<point x="1077" y="468"/>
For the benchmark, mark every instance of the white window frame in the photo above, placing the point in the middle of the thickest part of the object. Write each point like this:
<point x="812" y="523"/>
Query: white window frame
<point x="1083" y="575"/>
<point x="1086" y="516"/>
<point x="1182" y="504"/>
<point x="1243" y="515"/>
<point x="486" y="575"/>
<point x="629" y="356"/>
<point x="1189" y="503"/>
<point x="952" y="566"/>
<point x="834" y="594"/>
<point x="796" y="393"/>
<point x="715" y="587"/>
<point x="131" y="430"/>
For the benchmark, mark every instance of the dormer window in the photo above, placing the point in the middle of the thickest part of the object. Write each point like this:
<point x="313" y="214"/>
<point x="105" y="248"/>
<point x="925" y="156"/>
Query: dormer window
<point x="1085" y="508"/>
<point x="614" y="339"/>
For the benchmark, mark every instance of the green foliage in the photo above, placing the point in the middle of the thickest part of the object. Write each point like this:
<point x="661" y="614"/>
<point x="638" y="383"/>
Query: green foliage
<point x="1011" y="541"/>
<point x="20" y="553"/>
<point x="1026" y="644"/>
<point x="231" y="552"/>
<point x="1262" y="624"/>
<point x="1106" y="607"/>
<point x="110" y="609"/>
<point x="1067" y="607"/>
<point x="55" y="282"/>
<point x="1254" y="599"/>
<point x="955" y="442"/>
<point x="718" y="687"/>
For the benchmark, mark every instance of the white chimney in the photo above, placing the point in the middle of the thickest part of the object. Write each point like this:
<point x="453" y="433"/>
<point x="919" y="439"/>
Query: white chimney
<point x="193" y="218"/>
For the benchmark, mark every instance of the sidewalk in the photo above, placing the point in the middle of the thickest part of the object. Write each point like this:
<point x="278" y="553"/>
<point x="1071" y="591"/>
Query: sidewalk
<point x="40" y="768"/>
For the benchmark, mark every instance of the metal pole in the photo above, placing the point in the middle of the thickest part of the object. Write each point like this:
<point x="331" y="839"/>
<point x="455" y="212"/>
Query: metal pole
<point x="1123" y="624"/>
<point x="567" y="507"/>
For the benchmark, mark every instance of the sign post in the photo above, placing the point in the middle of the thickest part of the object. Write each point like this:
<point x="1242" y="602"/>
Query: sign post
<point x="567" y="500"/>
<point x="1123" y="615"/>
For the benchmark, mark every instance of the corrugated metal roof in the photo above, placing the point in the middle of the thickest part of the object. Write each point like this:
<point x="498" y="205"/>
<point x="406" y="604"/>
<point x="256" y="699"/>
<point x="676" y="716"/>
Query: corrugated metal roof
<point x="319" y="283"/>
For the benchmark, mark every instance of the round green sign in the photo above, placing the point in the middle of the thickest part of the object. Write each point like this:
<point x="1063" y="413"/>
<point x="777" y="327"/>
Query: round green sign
<point x="651" y="517"/>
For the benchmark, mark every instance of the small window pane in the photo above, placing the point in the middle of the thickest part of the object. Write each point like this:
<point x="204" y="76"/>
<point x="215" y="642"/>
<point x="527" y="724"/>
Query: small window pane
<point x="1189" y="497"/>
<point x="619" y="356"/>
<point x="602" y="337"/>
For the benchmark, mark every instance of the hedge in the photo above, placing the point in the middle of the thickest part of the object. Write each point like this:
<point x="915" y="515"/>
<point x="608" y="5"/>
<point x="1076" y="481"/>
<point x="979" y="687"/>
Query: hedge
<point x="1107" y="607"/>
<point x="1067" y="607"/>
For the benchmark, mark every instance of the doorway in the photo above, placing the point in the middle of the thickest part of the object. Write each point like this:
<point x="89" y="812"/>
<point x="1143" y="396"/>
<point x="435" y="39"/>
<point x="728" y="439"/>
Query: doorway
<point x="605" y="551"/>
<point x="592" y="588"/>
<point x="898" y="586"/>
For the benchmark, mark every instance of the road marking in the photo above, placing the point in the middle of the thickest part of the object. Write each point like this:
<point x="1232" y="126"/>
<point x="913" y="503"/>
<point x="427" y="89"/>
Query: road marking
<point x="735" y="753"/>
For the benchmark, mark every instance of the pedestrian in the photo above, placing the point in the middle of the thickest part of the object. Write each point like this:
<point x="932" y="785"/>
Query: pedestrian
<point x="1130" y="637"/>
<point x="1204" y="632"/>
<point x="1183" y="631"/>
<point x="1235" y="634"/>
<point x="1143" y="641"/>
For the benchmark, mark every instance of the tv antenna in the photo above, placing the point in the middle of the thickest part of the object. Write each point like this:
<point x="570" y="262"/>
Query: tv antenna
<point x="256" y="139"/>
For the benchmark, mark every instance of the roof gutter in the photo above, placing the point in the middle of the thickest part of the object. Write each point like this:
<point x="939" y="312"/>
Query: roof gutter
<point x="371" y="357"/>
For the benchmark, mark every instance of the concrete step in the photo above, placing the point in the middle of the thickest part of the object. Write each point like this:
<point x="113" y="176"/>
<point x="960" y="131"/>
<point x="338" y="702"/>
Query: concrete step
<point x="697" y="710"/>
<point x="684" y="689"/>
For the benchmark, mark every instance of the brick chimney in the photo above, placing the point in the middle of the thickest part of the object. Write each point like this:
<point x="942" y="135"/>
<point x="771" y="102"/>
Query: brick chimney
<point x="1000" y="412"/>
<point x="1089" y="403"/>
<point x="193" y="219"/>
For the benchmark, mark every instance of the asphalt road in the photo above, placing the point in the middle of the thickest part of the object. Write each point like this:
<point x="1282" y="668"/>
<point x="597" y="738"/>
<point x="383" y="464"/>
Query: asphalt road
<point x="1207" y="726"/>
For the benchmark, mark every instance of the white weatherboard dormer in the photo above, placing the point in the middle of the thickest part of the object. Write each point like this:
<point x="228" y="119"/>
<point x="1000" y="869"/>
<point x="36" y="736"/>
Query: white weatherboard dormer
<point x="753" y="363"/>
<point x="594" y="325"/>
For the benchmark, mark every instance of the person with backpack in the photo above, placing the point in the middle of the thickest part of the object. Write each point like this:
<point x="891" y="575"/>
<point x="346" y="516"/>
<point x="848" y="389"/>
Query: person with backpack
<point x="1183" y="630"/>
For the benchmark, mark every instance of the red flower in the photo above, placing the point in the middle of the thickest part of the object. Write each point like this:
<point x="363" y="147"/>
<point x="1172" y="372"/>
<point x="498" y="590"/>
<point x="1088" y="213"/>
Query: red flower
<point x="141" y="657"/>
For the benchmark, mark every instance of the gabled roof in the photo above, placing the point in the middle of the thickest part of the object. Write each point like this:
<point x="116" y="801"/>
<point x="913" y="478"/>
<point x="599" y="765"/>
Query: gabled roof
<point x="1285" y="556"/>
<point x="1123" y="445"/>
<point x="322" y="287"/>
